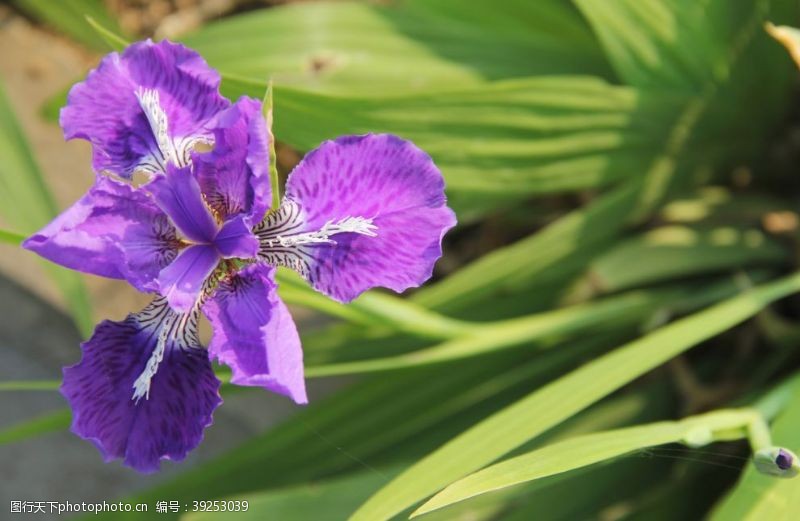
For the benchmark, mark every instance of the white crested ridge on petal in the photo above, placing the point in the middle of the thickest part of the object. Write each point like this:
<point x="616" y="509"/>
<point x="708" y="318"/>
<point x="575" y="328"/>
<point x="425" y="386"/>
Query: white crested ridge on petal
<point x="175" y="149"/>
<point x="286" y="240"/>
<point x="173" y="329"/>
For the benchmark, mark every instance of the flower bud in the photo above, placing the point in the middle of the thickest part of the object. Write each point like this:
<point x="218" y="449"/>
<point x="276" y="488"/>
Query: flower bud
<point x="777" y="461"/>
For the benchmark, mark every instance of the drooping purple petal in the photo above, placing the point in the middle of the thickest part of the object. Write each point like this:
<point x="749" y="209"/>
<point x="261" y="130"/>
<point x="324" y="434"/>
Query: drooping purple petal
<point x="135" y="104"/>
<point x="112" y="231"/>
<point x="236" y="239"/>
<point x="234" y="176"/>
<point x="182" y="281"/>
<point x="360" y="212"/>
<point x="183" y="391"/>
<point x="178" y="195"/>
<point x="254" y="334"/>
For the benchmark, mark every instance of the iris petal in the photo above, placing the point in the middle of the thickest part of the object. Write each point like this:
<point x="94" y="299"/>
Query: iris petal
<point x="182" y="282"/>
<point x="235" y="239"/>
<point x="178" y="195"/>
<point x="112" y="231"/>
<point x="360" y="212"/>
<point x="110" y="108"/>
<point x="183" y="391"/>
<point x="254" y="334"/>
<point x="234" y="176"/>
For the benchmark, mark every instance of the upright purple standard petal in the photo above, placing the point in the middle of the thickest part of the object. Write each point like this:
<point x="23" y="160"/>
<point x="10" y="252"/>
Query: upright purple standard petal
<point x="140" y="108"/>
<point x="182" y="391"/>
<point x="234" y="176"/>
<point x="236" y="240"/>
<point x="254" y="334"/>
<point x="113" y="231"/>
<point x="182" y="281"/>
<point x="360" y="212"/>
<point x="179" y="196"/>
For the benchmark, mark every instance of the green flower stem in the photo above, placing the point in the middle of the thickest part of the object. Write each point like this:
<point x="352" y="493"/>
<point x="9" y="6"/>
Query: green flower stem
<point x="274" y="180"/>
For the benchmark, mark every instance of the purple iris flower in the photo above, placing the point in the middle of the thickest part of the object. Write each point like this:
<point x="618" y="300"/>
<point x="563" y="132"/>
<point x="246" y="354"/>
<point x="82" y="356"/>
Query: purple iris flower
<point x="358" y="212"/>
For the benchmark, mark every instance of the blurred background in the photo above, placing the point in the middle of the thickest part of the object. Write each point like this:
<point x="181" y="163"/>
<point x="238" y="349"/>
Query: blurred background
<point x="618" y="167"/>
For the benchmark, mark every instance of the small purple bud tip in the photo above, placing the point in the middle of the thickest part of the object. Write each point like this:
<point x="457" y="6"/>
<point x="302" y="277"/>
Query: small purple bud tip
<point x="784" y="460"/>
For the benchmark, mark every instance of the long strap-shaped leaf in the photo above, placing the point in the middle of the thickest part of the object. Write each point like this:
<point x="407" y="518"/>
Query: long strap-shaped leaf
<point x="552" y="404"/>
<point x="582" y="451"/>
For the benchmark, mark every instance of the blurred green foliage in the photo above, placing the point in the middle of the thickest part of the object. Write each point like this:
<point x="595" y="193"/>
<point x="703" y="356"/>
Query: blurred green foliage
<point x="588" y="148"/>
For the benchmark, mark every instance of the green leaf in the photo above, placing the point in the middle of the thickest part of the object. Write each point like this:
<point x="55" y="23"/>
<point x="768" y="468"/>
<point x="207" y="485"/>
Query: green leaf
<point x="694" y="142"/>
<point x="570" y="322"/>
<point x="672" y="43"/>
<point x="70" y="17"/>
<point x="536" y="135"/>
<point x="356" y="48"/>
<point x="556" y="252"/>
<point x="581" y="451"/>
<point x="557" y="401"/>
<point x="49" y="422"/>
<point x="12" y="238"/>
<point x="672" y="252"/>
<point x="381" y="312"/>
<point x="789" y="37"/>
<point x="26" y="205"/>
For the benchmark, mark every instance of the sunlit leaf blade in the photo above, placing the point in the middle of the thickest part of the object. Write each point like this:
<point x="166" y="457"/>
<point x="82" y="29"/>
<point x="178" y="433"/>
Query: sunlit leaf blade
<point x="516" y="19"/>
<point x="535" y="136"/>
<point x="552" y="404"/>
<point x="382" y="312"/>
<point x="26" y="205"/>
<point x="789" y="37"/>
<point x="357" y="48"/>
<point x="549" y="328"/>
<point x="69" y="17"/>
<point x="581" y="451"/>
<point x="677" y="43"/>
